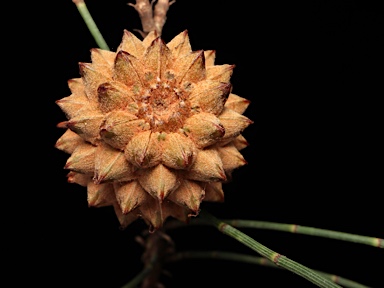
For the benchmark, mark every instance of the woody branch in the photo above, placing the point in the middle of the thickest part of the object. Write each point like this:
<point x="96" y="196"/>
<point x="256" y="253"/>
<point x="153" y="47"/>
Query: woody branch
<point x="152" y="19"/>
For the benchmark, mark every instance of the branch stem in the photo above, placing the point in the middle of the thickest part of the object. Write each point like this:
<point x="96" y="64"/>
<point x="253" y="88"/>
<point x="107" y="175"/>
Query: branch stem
<point x="152" y="18"/>
<point x="139" y="277"/>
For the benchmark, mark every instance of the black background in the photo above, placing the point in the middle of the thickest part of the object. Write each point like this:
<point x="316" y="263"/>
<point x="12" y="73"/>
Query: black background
<point x="313" y="73"/>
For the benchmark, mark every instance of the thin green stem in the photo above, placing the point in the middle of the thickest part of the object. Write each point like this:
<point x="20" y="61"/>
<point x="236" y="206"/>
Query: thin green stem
<point x="293" y="228"/>
<point x="83" y="10"/>
<point x="222" y="255"/>
<point x="271" y="255"/>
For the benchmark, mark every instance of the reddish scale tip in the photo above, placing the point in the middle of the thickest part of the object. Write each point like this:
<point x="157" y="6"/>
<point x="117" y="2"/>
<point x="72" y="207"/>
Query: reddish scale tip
<point x="158" y="40"/>
<point x="223" y="176"/>
<point x="123" y="54"/>
<point x="58" y="143"/>
<point x="83" y="66"/>
<point x="212" y="52"/>
<point x="187" y="160"/>
<point x="220" y="130"/>
<point x="245" y="142"/>
<point x="200" y="54"/>
<point x="63" y="124"/>
<point x="68" y="165"/>
<point x="72" y="125"/>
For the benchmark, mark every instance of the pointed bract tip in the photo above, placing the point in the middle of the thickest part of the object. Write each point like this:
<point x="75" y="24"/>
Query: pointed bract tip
<point x="70" y="178"/>
<point x="157" y="41"/>
<point x="123" y="54"/>
<point x="63" y="124"/>
<point x="129" y="34"/>
<point x="223" y="176"/>
<point x="70" y="124"/>
<point x="58" y="143"/>
<point x="83" y="66"/>
<point x="244" y="142"/>
<point x="200" y="54"/>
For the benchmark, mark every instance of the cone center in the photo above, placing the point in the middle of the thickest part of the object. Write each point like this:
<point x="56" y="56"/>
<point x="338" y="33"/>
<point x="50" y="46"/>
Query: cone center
<point x="164" y="107"/>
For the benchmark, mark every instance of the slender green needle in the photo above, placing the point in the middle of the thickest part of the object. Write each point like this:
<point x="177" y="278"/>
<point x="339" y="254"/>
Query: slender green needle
<point x="293" y="228"/>
<point x="222" y="255"/>
<point x="83" y="10"/>
<point x="278" y="259"/>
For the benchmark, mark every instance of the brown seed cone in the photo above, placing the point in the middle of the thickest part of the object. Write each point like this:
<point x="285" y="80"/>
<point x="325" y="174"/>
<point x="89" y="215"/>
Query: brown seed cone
<point x="153" y="129"/>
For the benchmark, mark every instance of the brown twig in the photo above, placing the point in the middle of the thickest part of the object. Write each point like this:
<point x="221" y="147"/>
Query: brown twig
<point x="158" y="246"/>
<point x="160" y="15"/>
<point x="144" y="8"/>
<point x="152" y="19"/>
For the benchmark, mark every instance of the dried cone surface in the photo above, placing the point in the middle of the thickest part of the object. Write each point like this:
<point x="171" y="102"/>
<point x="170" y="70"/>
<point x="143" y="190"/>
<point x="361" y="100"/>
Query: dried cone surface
<point x="153" y="129"/>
